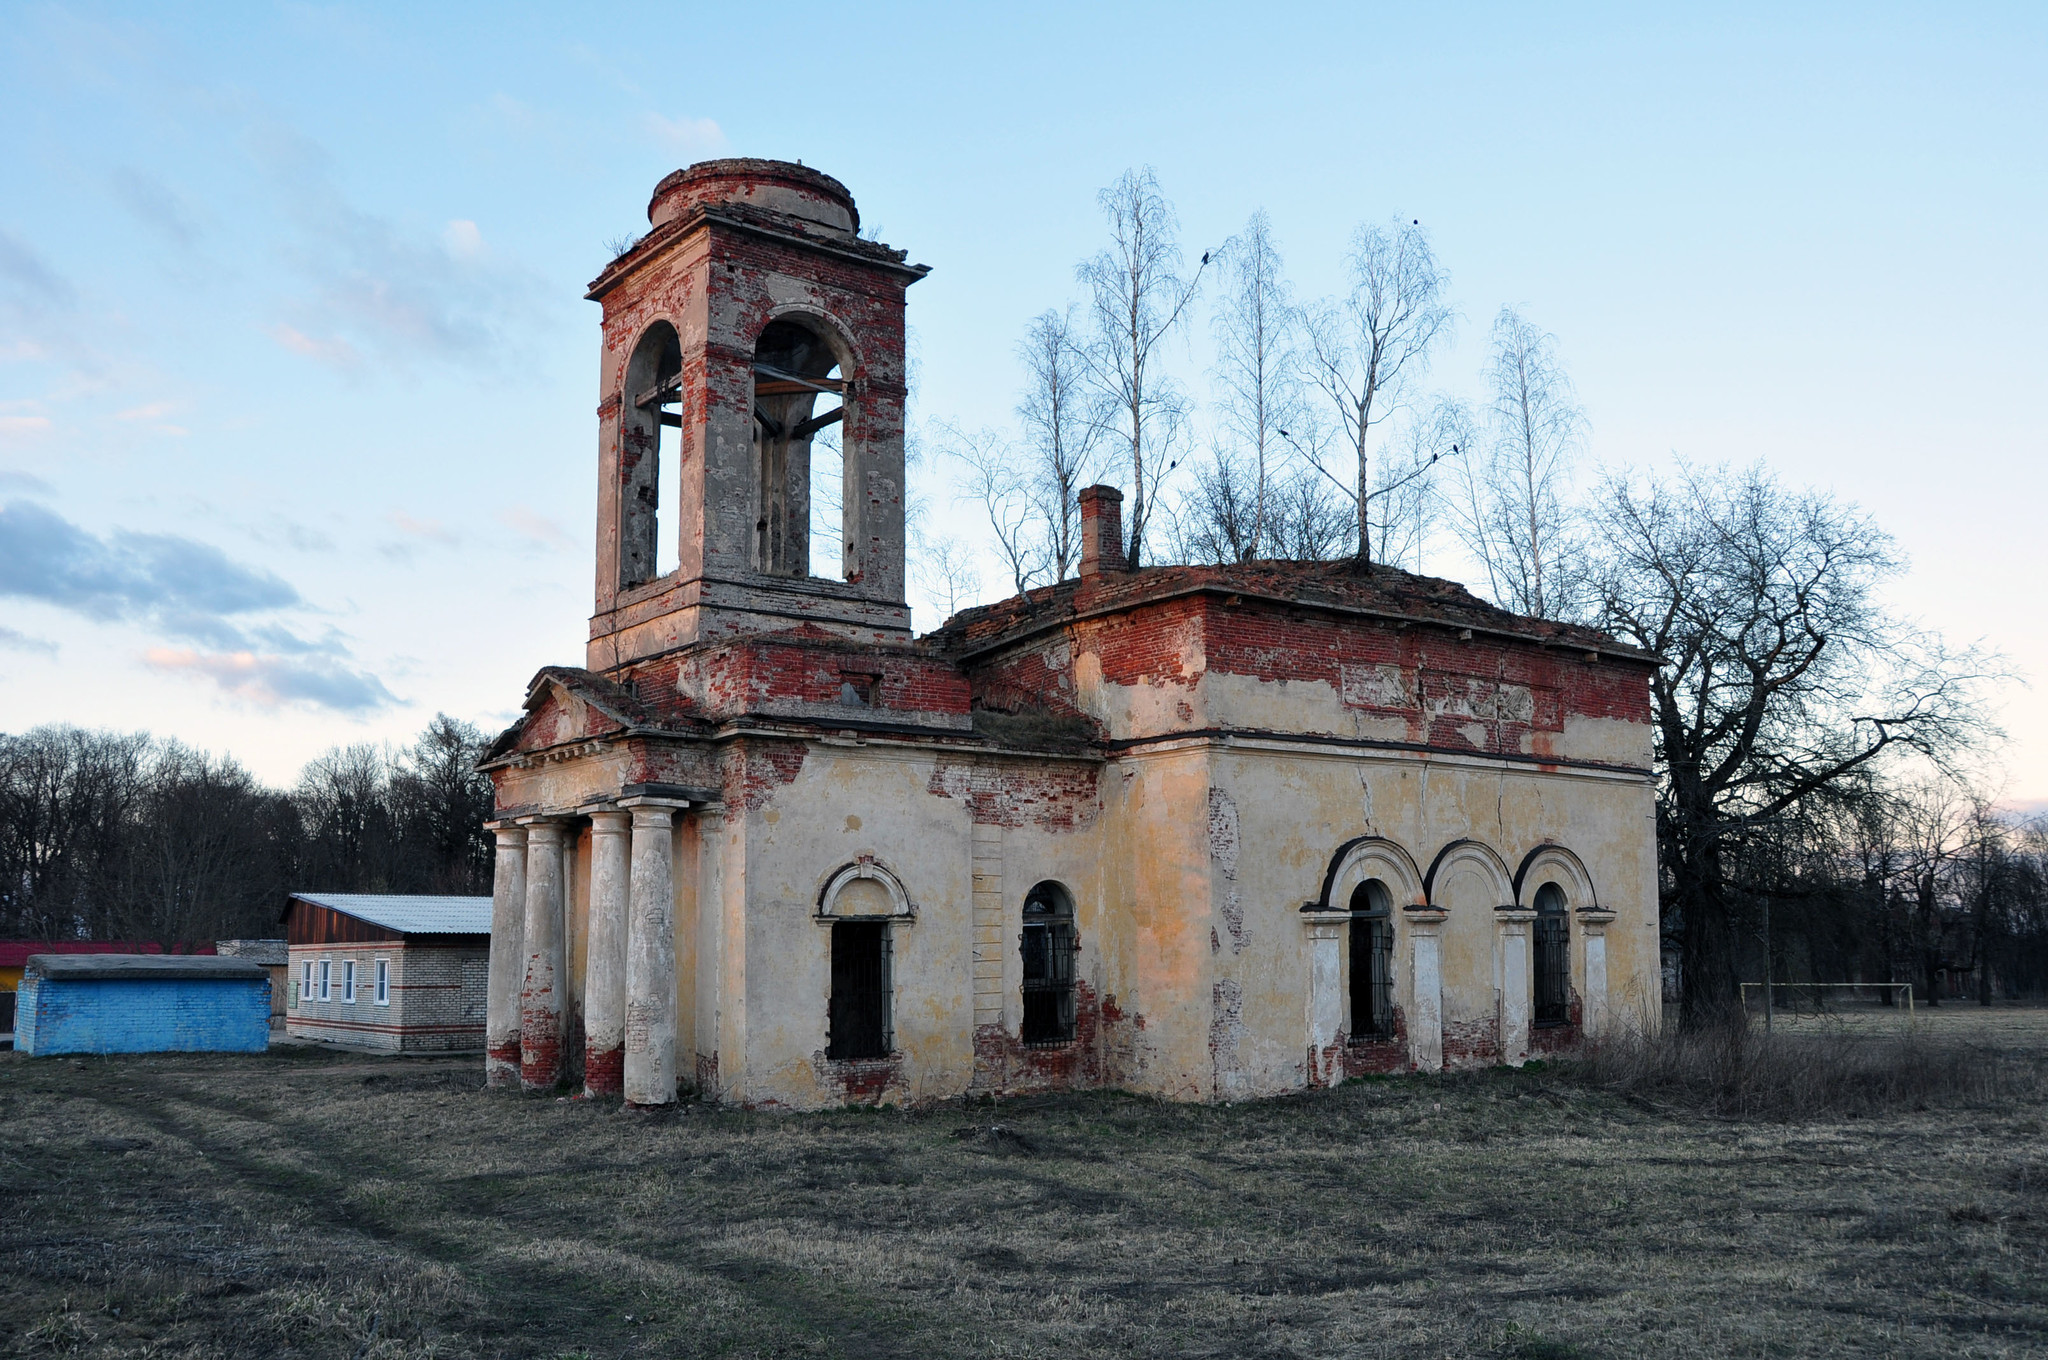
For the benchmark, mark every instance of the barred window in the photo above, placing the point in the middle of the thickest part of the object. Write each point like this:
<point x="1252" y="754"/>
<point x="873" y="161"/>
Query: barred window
<point x="1553" y="957"/>
<point x="1372" y="961"/>
<point x="1048" y="944"/>
<point x="858" y="1014"/>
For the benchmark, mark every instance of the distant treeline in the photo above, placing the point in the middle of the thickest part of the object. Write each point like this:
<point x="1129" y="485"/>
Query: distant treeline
<point x="1910" y="882"/>
<point x="109" y="835"/>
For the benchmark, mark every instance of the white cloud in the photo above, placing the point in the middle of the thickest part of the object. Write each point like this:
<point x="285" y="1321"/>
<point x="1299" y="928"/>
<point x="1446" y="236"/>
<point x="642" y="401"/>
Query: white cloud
<point x="24" y="425"/>
<point x="465" y="241"/>
<point x="432" y="530"/>
<point x="338" y="352"/>
<point x="273" y="681"/>
<point x="537" y="529"/>
<point x="155" y="410"/>
<point x="687" y="136"/>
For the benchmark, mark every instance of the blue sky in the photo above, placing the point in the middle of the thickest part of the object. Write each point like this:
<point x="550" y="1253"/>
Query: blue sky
<point x="296" y="379"/>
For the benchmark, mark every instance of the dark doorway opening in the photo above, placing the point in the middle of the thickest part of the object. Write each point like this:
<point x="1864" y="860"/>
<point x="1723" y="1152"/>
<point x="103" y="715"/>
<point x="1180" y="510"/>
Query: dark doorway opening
<point x="1048" y="943"/>
<point x="859" y="1013"/>
<point x="1372" y="961"/>
<point x="1553" y="958"/>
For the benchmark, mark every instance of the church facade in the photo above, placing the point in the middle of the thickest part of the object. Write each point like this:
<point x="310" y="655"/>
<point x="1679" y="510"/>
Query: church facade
<point x="1206" y="832"/>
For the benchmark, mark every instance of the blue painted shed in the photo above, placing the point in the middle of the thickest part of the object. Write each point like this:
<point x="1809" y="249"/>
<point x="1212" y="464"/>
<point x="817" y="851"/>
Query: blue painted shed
<point x="142" y="1003"/>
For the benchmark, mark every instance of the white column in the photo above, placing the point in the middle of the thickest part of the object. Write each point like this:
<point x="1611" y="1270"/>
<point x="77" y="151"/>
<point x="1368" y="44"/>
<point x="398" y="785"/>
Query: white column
<point x="708" y="987"/>
<point x="540" y="992"/>
<point x="650" y="1075"/>
<point x="508" y="958"/>
<point x="1325" y="994"/>
<point x="1511" y="984"/>
<point x="1426" y="1017"/>
<point x="1593" y="1015"/>
<point x="604" y="956"/>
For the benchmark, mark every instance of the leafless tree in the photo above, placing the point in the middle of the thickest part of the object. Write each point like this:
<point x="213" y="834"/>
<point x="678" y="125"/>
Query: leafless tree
<point x="1061" y="437"/>
<point x="1366" y="347"/>
<point x="1784" y="678"/>
<point x="1406" y="499"/>
<point x="999" y="481"/>
<point x="1257" y="370"/>
<point x="1137" y="298"/>
<point x="1511" y="509"/>
<point x="947" y="575"/>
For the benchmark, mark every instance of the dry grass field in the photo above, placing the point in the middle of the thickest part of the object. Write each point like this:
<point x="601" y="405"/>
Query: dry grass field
<point x="313" y="1204"/>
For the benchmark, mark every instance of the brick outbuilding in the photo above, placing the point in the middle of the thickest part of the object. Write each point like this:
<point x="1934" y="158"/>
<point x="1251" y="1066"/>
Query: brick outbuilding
<point x="396" y="973"/>
<point x="142" y="1003"/>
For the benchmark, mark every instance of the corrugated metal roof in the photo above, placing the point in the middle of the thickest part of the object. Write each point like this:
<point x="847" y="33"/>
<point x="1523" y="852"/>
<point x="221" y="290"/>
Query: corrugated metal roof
<point x="144" y="967"/>
<point x="410" y="915"/>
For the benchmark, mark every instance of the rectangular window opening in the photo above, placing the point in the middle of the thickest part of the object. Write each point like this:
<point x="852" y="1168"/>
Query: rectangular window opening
<point x="1048" y="948"/>
<point x="383" y="982"/>
<point x="858" y="1017"/>
<point x="1372" y="977"/>
<point x="668" y="495"/>
<point x="348" y="982"/>
<point x="326" y="979"/>
<point x="306" y="981"/>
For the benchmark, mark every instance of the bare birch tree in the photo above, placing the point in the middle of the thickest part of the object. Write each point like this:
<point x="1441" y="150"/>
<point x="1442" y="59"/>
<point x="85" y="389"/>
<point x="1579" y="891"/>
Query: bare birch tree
<point x="1061" y="437"/>
<point x="1257" y="370"/>
<point x="1137" y="297"/>
<point x="996" y="478"/>
<point x="1365" y="347"/>
<point x="1511" y="510"/>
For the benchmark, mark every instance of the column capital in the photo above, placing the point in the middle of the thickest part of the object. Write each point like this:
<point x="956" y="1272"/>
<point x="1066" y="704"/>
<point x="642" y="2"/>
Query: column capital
<point x="1513" y="919"/>
<point x="1426" y="919"/>
<point x="606" y="820"/>
<point x="1594" y="918"/>
<point x="653" y="816"/>
<point x="508" y="835"/>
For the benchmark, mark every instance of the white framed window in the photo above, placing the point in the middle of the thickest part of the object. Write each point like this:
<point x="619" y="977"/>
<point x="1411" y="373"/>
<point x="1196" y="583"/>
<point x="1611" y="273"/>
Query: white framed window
<point x="348" y="982"/>
<point x="326" y="979"/>
<point x="306" y="981"/>
<point x="383" y="982"/>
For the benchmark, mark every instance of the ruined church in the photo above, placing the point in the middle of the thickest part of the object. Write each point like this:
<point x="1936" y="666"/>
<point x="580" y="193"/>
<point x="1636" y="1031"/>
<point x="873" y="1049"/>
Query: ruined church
<point x="1208" y="832"/>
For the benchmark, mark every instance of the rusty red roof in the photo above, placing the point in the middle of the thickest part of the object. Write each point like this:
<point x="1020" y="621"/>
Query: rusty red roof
<point x="15" y="953"/>
<point x="1346" y="586"/>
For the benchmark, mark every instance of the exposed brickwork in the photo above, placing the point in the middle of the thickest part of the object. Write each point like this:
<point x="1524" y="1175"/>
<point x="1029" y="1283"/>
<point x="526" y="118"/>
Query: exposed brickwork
<point x="1005" y="1065"/>
<point x="1378" y="1057"/>
<point x="753" y="771"/>
<point x="1057" y="796"/>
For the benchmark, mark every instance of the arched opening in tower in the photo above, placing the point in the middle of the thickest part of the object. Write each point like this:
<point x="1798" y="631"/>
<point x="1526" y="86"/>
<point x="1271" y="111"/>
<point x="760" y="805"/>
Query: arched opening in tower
<point x="799" y="448"/>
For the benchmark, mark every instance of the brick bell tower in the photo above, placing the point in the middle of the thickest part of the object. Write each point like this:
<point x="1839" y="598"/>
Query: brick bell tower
<point x="754" y="322"/>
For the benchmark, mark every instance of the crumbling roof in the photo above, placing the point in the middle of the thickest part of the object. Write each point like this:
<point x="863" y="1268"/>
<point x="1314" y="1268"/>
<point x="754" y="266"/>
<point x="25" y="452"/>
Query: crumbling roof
<point x="612" y="700"/>
<point x="1346" y="586"/>
<point x="143" y="967"/>
<point x="409" y="915"/>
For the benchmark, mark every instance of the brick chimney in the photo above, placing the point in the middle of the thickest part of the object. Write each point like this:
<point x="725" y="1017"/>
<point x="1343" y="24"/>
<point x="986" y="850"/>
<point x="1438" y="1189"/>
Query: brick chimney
<point x="1102" y="531"/>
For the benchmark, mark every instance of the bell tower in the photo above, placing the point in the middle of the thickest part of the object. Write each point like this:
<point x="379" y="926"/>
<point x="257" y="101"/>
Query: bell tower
<point x="754" y="322"/>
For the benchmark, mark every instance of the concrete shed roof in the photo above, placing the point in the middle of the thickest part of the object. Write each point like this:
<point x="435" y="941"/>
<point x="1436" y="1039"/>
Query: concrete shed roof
<point x="144" y="967"/>
<point x="409" y="915"/>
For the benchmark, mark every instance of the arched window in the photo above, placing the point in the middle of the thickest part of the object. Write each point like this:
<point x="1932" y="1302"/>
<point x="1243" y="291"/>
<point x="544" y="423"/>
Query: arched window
<point x="793" y="367"/>
<point x="1372" y="961"/>
<point x="1553" y="957"/>
<point x="1049" y="944"/>
<point x="650" y="462"/>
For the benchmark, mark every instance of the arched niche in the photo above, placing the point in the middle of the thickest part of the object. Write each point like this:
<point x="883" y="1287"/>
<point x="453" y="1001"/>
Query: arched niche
<point x="1477" y="857"/>
<point x="1554" y="864"/>
<point x="864" y="891"/>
